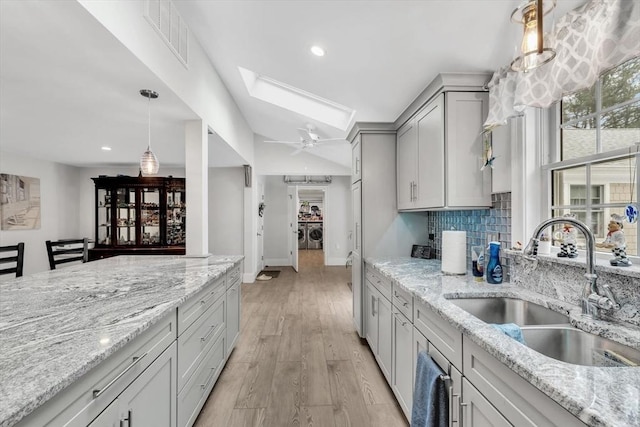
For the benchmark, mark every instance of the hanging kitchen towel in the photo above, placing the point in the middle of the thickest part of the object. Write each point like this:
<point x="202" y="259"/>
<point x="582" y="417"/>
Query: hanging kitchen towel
<point x="430" y="400"/>
<point x="454" y="252"/>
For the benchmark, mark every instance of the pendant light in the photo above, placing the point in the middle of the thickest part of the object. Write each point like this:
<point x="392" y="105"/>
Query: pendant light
<point x="534" y="53"/>
<point x="149" y="162"/>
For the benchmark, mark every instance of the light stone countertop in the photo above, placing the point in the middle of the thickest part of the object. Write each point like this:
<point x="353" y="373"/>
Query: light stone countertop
<point x="57" y="325"/>
<point x="599" y="396"/>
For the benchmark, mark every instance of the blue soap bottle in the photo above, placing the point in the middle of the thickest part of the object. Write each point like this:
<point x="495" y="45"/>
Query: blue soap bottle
<point x="494" y="268"/>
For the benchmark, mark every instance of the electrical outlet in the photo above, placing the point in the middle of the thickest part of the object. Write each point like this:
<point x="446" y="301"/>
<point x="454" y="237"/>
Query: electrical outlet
<point x="432" y="236"/>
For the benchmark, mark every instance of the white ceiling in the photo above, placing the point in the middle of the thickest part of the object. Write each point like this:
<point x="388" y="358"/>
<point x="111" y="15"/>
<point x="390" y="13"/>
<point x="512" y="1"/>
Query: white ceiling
<point x="68" y="86"/>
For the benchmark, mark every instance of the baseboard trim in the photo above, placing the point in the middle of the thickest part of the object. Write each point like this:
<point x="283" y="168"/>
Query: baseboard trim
<point x="336" y="261"/>
<point x="277" y="262"/>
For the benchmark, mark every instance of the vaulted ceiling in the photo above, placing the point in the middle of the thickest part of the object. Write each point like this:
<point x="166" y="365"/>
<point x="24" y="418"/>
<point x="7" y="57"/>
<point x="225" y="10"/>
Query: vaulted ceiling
<point x="64" y="96"/>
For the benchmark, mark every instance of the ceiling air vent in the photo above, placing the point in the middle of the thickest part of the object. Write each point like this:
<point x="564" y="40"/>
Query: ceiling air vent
<point x="165" y="19"/>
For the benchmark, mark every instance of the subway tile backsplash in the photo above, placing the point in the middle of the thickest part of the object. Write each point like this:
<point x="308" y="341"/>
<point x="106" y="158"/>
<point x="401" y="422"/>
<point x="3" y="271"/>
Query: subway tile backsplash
<point x="480" y="225"/>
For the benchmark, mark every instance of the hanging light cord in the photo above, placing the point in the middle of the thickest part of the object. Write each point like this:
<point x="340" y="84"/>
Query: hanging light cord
<point x="149" y="120"/>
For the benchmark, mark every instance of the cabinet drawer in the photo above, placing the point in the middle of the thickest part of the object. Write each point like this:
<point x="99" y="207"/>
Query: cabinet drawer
<point x="196" y="341"/>
<point x="439" y="332"/>
<point x="197" y="389"/>
<point x="403" y="301"/>
<point x="198" y="304"/>
<point x="381" y="283"/>
<point x="86" y="398"/>
<point x="520" y="402"/>
<point x="233" y="276"/>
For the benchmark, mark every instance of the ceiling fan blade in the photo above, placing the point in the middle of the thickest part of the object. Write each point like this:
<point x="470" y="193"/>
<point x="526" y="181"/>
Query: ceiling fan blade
<point x="304" y="133"/>
<point x="331" y="140"/>
<point x="283" y="142"/>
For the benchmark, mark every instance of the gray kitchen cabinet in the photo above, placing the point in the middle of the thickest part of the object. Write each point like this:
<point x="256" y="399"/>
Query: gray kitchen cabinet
<point x="407" y="147"/>
<point x="147" y="401"/>
<point x="520" y="402"/>
<point x="476" y="410"/>
<point x="232" y="322"/>
<point x="356" y="161"/>
<point x="373" y="206"/>
<point x="357" y="283"/>
<point x="378" y="325"/>
<point x="439" y="154"/>
<point x="402" y="372"/>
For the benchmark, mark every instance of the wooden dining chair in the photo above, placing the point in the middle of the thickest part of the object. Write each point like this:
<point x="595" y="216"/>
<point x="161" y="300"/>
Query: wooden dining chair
<point x="7" y="257"/>
<point x="69" y="250"/>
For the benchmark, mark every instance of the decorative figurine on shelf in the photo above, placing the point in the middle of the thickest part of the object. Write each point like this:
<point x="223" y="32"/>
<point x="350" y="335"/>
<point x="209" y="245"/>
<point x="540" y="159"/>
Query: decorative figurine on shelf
<point x="568" y="240"/>
<point x="616" y="242"/>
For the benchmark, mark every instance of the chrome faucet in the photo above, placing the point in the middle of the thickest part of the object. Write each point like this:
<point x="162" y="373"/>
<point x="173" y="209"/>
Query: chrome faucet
<point x="592" y="300"/>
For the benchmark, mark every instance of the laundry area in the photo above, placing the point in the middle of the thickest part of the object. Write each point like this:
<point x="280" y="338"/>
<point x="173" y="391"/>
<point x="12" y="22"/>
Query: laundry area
<point x="310" y="219"/>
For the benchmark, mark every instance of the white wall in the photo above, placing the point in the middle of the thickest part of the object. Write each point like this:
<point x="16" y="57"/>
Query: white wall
<point x="199" y="85"/>
<point x="336" y="221"/>
<point x="226" y="211"/>
<point x="59" y="209"/>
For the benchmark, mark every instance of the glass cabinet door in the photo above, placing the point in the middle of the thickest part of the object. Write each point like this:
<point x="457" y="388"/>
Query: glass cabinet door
<point x="104" y="217"/>
<point x="126" y="216"/>
<point x="176" y="217"/>
<point x="150" y="216"/>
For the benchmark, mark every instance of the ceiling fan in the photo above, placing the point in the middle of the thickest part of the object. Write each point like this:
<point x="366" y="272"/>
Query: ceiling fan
<point x="308" y="139"/>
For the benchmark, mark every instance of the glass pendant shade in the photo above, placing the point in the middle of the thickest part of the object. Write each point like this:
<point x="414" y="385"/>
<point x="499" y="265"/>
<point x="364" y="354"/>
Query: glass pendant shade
<point x="149" y="164"/>
<point x="534" y="52"/>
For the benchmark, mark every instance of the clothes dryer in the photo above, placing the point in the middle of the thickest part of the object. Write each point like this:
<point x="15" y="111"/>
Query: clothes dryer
<point x="314" y="235"/>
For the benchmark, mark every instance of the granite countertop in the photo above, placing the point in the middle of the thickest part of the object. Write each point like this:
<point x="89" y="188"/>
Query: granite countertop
<point x="599" y="396"/>
<point x="57" y="325"/>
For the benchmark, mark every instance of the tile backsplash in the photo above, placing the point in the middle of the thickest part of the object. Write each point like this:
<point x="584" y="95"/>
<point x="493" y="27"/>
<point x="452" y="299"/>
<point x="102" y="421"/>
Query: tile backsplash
<point x="480" y="225"/>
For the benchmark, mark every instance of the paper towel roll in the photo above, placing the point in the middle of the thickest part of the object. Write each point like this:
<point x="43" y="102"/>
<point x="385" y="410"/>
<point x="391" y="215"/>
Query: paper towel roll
<point x="454" y="252"/>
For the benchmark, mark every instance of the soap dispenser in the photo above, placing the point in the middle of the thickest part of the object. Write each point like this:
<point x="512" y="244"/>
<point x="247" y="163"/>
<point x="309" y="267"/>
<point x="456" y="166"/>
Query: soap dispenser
<point x="494" y="269"/>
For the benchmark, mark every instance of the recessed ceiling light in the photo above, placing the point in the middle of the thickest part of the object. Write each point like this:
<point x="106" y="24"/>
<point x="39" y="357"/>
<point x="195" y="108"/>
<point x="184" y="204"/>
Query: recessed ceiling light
<point x="105" y="148"/>
<point x="317" y="50"/>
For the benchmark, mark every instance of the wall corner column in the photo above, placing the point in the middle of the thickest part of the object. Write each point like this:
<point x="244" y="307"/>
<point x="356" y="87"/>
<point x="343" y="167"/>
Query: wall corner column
<point x="197" y="188"/>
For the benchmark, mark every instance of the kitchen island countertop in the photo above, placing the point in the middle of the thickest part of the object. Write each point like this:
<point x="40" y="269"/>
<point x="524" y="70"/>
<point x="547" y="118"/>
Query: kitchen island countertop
<point x="599" y="396"/>
<point x="57" y="325"/>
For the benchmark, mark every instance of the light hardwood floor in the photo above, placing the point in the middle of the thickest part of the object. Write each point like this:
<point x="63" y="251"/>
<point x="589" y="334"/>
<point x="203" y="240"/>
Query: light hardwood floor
<point x="299" y="361"/>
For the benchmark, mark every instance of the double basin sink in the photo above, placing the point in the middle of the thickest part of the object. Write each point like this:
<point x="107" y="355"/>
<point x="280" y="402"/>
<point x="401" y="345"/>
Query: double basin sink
<point x="548" y="332"/>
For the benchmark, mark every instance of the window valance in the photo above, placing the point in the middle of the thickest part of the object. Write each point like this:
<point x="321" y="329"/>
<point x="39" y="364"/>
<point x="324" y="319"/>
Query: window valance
<point x="588" y="40"/>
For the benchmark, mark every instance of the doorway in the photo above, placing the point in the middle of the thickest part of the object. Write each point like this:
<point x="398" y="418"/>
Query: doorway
<point x="312" y="226"/>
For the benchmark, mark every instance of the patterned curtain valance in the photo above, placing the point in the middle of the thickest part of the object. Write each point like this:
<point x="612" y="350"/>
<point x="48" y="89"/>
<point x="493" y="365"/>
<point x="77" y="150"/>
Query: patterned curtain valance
<point x="588" y="40"/>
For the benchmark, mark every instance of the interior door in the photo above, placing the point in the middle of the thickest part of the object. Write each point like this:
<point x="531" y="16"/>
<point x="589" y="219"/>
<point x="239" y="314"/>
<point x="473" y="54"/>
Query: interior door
<point x="292" y="192"/>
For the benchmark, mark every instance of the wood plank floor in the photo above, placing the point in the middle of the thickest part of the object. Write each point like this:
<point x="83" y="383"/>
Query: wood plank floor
<point x="299" y="361"/>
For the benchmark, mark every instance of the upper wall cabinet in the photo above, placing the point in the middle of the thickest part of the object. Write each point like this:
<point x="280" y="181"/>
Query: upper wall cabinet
<point x="356" y="158"/>
<point x="440" y="152"/>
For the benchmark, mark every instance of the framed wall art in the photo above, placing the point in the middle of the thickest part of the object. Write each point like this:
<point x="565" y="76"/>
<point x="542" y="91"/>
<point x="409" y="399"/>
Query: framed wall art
<point x="19" y="202"/>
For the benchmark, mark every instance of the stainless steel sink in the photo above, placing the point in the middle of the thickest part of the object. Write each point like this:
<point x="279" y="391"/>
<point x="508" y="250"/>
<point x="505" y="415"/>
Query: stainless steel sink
<point x="510" y="310"/>
<point x="572" y="345"/>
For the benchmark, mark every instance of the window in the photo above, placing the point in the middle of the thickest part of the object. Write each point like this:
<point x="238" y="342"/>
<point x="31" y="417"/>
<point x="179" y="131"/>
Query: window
<point x="599" y="139"/>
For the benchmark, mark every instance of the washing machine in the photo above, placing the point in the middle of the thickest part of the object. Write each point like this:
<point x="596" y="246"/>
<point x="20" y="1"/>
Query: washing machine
<point x="314" y="235"/>
<point x="302" y="235"/>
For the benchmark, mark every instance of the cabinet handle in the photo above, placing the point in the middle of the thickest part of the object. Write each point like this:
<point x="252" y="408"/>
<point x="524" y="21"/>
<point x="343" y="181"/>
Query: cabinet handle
<point x="451" y="420"/>
<point x="128" y="419"/>
<point x="415" y="191"/>
<point x="136" y="359"/>
<point x="461" y="406"/>
<point x="411" y="191"/>
<point x="402" y="322"/>
<point x="373" y="306"/>
<point x="213" y="328"/>
<point x="402" y="300"/>
<point x="203" y="386"/>
<point x="357" y="166"/>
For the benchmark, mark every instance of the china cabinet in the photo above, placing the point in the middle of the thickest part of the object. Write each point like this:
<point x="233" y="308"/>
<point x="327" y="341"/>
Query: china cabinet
<point x="139" y="215"/>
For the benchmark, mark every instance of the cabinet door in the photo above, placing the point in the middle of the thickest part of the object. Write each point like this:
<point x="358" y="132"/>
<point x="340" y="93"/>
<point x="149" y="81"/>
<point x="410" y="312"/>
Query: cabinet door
<point x="406" y="150"/>
<point x="384" y="336"/>
<point x="357" y="287"/>
<point x="477" y="411"/>
<point x="108" y="418"/>
<point x="431" y="155"/>
<point x="151" y="399"/>
<point x="233" y="316"/>
<point x="356" y="160"/>
<point x="371" y="316"/>
<point x="467" y="185"/>
<point x="402" y="362"/>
